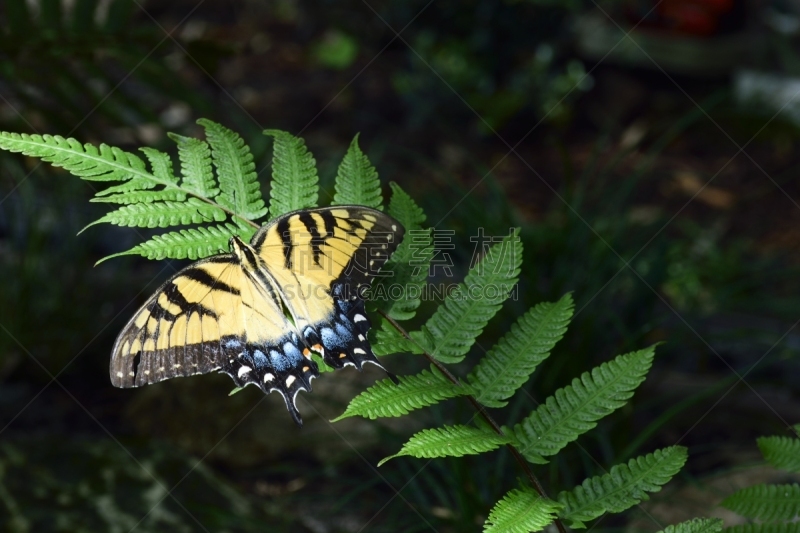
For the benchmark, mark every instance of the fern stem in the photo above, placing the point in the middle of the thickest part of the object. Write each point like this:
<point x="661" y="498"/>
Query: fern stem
<point x="482" y="412"/>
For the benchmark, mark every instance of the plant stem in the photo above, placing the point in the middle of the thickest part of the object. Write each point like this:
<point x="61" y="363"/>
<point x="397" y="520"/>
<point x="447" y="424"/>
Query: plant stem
<point x="482" y="412"/>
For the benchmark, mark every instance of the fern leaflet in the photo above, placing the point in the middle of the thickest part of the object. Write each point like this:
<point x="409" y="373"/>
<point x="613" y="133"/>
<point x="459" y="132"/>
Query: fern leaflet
<point x="766" y="502"/>
<point x="624" y="486"/>
<point x="86" y="161"/>
<point x="192" y="243"/>
<point x="294" y="175"/>
<point x="357" y="181"/>
<point x="386" y="399"/>
<point x="450" y="441"/>
<point x="163" y="214"/>
<point x="389" y="341"/>
<point x="196" y="173"/>
<point x="781" y="452"/>
<point x="161" y="165"/>
<point x="793" y="527"/>
<point x="238" y="182"/>
<point x="407" y="268"/>
<point x="461" y="318"/>
<point x="696" y="525"/>
<point x="576" y="408"/>
<point x="405" y="209"/>
<point x="513" y="359"/>
<point x="521" y="511"/>
<point x="140" y="196"/>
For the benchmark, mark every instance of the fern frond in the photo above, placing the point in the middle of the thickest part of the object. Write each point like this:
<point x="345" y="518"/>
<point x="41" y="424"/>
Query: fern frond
<point x="163" y="214"/>
<point x="407" y="268"/>
<point x="294" y="175"/>
<point x="192" y="243"/>
<point x="236" y="172"/>
<point x="793" y="527"/>
<point x="576" y="408"/>
<point x="513" y="359"/>
<point x="161" y="165"/>
<point x="624" y="486"/>
<point x="387" y="399"/>
<point x="387" y="341"/>
<point x="140" y="196"/>
<point x="357" y="181"/>
<point x="766" y="502"/>
<point x="93" y="163"/>
<point x="450" y="441"/>
<point x="461" y="318"/>
<point x="696" y="525"/>
<point x="403" y="208"/>
<point x="781" y="452"/>
<point x="197" y="175"/>
<point x="521" y="511"/>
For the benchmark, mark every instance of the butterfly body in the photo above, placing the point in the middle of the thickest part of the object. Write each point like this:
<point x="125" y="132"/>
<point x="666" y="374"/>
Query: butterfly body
<point x="258" y="312"/>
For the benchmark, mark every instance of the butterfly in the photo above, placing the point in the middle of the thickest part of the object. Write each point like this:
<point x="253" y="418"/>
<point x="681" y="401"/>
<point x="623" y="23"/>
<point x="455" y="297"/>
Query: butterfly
<point x="260" y="311"/>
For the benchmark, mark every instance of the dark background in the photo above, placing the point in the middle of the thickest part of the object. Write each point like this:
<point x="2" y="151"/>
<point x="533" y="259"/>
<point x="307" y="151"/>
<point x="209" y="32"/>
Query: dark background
<point x="653" y="175"/>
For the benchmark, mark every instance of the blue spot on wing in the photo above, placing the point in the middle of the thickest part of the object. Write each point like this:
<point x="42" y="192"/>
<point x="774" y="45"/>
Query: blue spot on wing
<point x="259" y="359"/>
<point x="343" y="333"/>
<point x="292" y="353"/>
<point x="329" y="337"/>
<point x="232" y="344"/>
<point x="279" y="361"/>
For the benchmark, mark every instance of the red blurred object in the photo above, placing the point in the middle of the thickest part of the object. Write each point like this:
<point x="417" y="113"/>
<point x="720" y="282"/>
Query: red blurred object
<point x="688" y="17"/>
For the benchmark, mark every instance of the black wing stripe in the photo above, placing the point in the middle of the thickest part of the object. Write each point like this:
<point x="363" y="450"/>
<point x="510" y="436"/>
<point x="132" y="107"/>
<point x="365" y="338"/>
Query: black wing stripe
<point x="316" y="239"/>
<point x="329" y="221"/>
<point x="201" y="276"/>
<point x="286" y="238"/>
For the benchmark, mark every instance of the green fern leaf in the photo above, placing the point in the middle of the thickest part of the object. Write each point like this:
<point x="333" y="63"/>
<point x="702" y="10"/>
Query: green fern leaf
<point x="161" y="165"/>
<point x="387" y="399"/>
<point x="521" y="511"/>
<point x="794" y="527"/>
<point x="103" y="163"/>
<point x="357" y="182"/>
<point x="141" y="196"/>
<point x="576" y="408"/>
<point x="625" y="486"/>
<point x="781" y="452"/>
<point x="388" y="340"/>
<point x="196" y="174"/>
<point x="403" y="208"/>
<point x="163" y="214"/>
<point x="461" y="318"/>
<point x="766" y="502"/>
<point x="695" y="525"/>
<point x="408" y="269"/>
<point x="450" y="441"/>
<point x="236" y="172"/>
<point x="294" y="175"/>
<point x="513" y="359"/>
<point x="135" y="184"/>
<point x="192" y="243"/>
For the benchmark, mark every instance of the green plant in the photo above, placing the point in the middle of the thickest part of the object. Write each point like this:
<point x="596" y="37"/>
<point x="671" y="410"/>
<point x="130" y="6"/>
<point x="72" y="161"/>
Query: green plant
<point x="218" y="184"/>
<point x="776" y="507"/>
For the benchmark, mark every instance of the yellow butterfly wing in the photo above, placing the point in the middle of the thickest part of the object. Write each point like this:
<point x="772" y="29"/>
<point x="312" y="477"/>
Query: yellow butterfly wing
<point x="323" y="260"/>
<point x="256" y="313"/>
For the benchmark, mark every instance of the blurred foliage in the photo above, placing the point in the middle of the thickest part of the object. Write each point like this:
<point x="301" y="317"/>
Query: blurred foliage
<point x="87" y="63"/>
<point x="452" y="57"/>
<point x="86" y="485"/>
